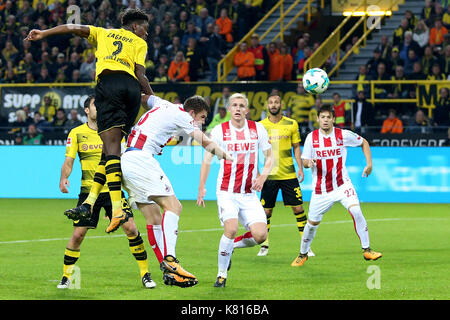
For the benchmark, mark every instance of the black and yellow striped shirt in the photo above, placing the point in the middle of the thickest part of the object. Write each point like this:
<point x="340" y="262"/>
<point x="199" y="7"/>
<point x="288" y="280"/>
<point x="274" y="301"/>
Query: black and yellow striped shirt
<point x="282" y="135"/>
<point x="85" y="142"/>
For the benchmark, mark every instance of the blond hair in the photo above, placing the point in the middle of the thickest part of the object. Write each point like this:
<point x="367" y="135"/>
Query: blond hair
<point x="238" y="96"/>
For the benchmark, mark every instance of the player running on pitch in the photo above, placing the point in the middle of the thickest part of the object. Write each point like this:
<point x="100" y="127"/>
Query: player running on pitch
<point x="325" y="153"/>
<point x="238" y="181"/>
<point x="146" y="182"/>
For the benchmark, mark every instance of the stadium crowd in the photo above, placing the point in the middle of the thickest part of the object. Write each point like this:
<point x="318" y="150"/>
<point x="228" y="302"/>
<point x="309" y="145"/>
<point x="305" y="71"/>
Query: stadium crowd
<point x="188" y="38"/>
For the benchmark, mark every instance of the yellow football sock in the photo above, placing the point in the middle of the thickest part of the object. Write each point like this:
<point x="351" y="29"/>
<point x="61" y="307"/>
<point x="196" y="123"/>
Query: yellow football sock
<point x="70" y="257"/>
<point x="138" y="250"/>
<point x="98" y="182"/>
<point x="114" y="181"/>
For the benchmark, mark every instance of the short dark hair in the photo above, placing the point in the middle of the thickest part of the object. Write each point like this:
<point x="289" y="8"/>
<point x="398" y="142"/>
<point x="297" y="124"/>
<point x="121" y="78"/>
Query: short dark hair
<point x="274" y="95"/>
<point x="88" y="100"/>
<point x="133" y="15"/>
<point x="326" y="108"/>
<point x="196" y="103"/>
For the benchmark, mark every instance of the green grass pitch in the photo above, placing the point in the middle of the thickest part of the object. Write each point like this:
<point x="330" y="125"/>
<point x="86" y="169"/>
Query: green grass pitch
<point x="414" y="240"/>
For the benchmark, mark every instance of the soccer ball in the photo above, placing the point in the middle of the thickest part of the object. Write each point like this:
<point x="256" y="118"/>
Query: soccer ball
<point x="315" y="81"/>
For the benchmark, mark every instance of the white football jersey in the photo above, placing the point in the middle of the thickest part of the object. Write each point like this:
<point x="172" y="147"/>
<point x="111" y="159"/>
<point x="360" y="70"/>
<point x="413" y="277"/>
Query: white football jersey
<point x="330" y="152"/>
<point x="157" y="126"/>
<point x="242" y="144"/>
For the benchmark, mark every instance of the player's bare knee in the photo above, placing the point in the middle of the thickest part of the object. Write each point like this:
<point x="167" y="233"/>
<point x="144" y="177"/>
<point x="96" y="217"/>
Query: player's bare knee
<point x="314" y="223"/>
<point x="260" y="236"/>
<point x="268" y="212"/>
<point x="78" y="235"/>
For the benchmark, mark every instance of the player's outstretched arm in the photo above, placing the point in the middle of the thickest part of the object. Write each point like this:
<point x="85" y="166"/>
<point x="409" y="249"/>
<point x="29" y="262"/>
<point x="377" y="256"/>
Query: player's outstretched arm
<point x="258" y="183"/>
<point x="204" y="173"/>
<point x="139" y="71"/>
<point x="210" y="145"/>
<point x="66" y="170"/>
<point x="76" y="29"/>
<point x="368" y="154"/>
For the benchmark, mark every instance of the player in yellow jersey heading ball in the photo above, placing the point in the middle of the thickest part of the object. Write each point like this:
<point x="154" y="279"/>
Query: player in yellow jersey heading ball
<point x="284" y="136"/>
<point x="120" y="76"/>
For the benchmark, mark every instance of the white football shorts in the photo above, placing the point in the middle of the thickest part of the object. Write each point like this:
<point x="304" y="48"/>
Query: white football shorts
<point x="321" y="203"/>
<point x="143" y="177"/>
<point x="245" y="207"/>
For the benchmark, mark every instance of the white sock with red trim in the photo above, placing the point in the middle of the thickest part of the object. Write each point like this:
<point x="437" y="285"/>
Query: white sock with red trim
<point x="245" y="241"/>
<point x="155" y="238"/>
<point x="170" y="232"/>
<point x="308" y="236"/>
<point x="224" y="255"/>
<point x="360" y="225"/>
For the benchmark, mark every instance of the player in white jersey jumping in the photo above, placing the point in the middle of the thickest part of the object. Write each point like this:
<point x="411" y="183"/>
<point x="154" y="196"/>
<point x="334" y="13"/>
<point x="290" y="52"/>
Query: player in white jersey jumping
<point x="238" y="181"/>
<point x="147" y="183"/>
<point x="325" y="153"/>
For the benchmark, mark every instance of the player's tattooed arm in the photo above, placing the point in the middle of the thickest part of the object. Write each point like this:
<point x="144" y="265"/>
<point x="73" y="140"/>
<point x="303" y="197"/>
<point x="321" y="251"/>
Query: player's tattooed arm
<point x="139" y="70"/>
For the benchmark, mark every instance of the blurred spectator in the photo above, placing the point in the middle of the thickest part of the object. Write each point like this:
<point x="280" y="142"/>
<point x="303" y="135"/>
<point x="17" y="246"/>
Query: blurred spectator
<point x="148" y="8"/>
<point x="363" y="113"/>
<point x="436" y="73"/>
<point x="222" y="101"/>
<point x="75" y="76"/>
<point x="244" y="60"/>
<point x="398" y="90"/>
<point x="261" y="58"/>
<point x="445" y="61"/>
<point x="342" y="110"/>
<point x="384" y="47"/>
<point x="60" y="119"/>
<point x="156" y="49"/>
<point x="215" y="50"/>
<point x="428" y="60"/>
<point x="48" y="108"/>
<point x="222" y="116"/>
<point x="87" y="67"/>
<point x="428" y="12"/>
<point x="167" y="20"/>
<point x="399" y="33"/>
<point x="160" y="33"/>
<point x="194" y="59"/>
<point x="33" y="137"/>
<point x="202" y="21"/>
<point x="225" y="25"/>
<point x="421" y="34"/>
<point x="174" y="47"/>
<point x="10" y="51"/>
<point x="298" y="50"/>
<point x="161" y="74"/>
<point x="362" y="76"/>
<point x="179" y="68"/>
<point x="300" y="105"/>
<point x="74" y="64"/>
<point x="216" y="7"/>
<point x="419" y="124"/>
<point x="73" y="120"/>
<point x="446" y="17"/>
<point x="10" y="76"/>
<point x="168" y="6"/>
<point x="410" y="60"/>
<point x="40" y="123"/>
<point x="173" y="32"/>
<point x="395" y="60"/>
<point x="411" y="18"/>
<point x="381" y="90"/>
<point x="372" y="64"/>
<point x="18" y="139"/>
<point x="236" y="12"/>
<point x="189" y="7"/>
<point x="407" y="45"/>
<point x="441" y="114"/>
<point x="392" y="124"/>
<point x="19" y="123"/>
<point x="191" y="32"/>
<point x="287" y="62"/>
<point x="276" y="65"/>
<point x="437" y="33"/>
<point x="44" y="76"/>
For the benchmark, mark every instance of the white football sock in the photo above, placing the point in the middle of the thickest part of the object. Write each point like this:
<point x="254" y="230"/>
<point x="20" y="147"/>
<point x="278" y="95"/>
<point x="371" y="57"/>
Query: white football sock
<point x="360" y="225"/>
<point x="224" y="255"/>
<point x="245" y="241"/>
<point x="170" y="232"/>
<point x="308" y="235"/>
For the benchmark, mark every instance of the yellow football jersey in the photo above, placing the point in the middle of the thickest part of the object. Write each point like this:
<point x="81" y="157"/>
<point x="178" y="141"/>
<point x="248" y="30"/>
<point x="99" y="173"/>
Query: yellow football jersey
<point x="282" y="135"/>
<point x="85" y="142"/>
<point x="117" y="50"/>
